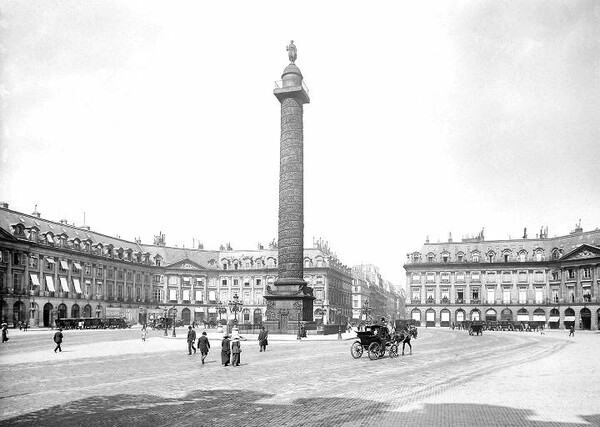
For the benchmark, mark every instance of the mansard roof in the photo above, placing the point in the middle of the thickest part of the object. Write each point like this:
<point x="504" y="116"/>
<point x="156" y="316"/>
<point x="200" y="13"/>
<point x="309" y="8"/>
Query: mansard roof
<point x="172" y="256"/>
<point x="8" y="218"/>
<point x="566" y="244"/>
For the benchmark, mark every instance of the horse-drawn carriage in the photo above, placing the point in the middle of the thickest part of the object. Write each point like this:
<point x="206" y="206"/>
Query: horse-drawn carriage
<point x="476" y="328"/>
<point x="369" y="341"/>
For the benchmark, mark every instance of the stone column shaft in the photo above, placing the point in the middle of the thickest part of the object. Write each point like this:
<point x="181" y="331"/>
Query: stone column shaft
<point x="291" y="192"/>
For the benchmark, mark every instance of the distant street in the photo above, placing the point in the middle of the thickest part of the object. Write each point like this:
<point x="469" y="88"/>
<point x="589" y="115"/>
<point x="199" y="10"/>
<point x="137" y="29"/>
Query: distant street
<point x="113" y="378"/>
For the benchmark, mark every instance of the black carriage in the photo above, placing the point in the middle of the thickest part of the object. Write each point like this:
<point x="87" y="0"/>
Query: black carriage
<point x="476" y="328"/>
<point x="369" y="341"/>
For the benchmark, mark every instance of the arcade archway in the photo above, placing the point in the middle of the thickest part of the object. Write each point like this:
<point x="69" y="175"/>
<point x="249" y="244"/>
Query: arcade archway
<point x="48" y="315"/>
<point x="554" y="320"/>
<point x="491" y="315"/>
<point x="416" y="316"/>
<point x="506" y="315"/>
<point x="586" y="319"/>
<point x="430" y="318"/>
<point x="186" y="316"/>
<point x="569" y="318"/>
<point x="475" y="315"/>
<point x="445" y="318"/>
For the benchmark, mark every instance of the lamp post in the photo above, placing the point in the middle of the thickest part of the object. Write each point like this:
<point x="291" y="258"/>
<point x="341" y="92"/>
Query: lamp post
<point x="174" y="316"/>
<point x="235" y="305"/>
<point x="366" y="310"/>
<point x="323" y="311"/>
<point x="166" y="322"/>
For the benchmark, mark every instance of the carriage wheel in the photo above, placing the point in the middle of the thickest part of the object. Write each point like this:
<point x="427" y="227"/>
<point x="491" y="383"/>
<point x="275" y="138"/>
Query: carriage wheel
<point x="356" y="350"/>
<point x="374" y="351"/>
<point x="393" y="352"/>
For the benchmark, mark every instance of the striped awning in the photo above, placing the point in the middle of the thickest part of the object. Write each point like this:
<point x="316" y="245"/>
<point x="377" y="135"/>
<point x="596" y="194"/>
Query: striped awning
<point x="77" y="285"/>
<point x="35" y="279"/>
<point x="50" y="283"/>
<point x="63" y="284"/>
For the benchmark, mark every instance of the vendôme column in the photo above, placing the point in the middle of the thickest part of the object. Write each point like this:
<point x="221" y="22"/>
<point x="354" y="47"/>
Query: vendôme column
<point x="290" y="302"/>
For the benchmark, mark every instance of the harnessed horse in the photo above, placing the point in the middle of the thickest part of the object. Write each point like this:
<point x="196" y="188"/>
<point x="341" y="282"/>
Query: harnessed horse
<point x="405" y="337"/>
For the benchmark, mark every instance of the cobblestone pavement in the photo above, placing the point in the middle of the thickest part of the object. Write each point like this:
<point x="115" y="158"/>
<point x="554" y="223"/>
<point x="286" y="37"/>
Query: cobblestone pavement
<point x="113" y="379"/>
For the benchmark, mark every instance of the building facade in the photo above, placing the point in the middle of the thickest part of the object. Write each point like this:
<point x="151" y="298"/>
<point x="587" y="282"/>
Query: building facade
<point x="374" y="297"/>
<point x="51" y="270"/>
<point x="552" y="280"/>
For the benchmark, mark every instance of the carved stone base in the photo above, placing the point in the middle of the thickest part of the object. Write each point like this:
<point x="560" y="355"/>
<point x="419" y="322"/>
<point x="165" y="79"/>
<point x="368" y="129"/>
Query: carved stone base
<point x="287" y="306"/>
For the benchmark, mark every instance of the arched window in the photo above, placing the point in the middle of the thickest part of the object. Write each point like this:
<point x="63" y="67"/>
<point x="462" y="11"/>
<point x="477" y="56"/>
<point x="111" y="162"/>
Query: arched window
<point x="475" y="256"/>
<point x="522" y="256"/>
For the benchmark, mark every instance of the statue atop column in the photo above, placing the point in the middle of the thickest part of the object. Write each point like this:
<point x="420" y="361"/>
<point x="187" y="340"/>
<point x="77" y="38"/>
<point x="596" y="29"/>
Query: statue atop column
<point x="292" y="52"/>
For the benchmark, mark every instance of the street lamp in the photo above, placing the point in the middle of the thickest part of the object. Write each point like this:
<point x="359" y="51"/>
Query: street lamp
<point x="174" y="315"/>
<point x="166" y="321"/>
<point x="220" y="310"/>
<point x="235" y="305"/>
<point x="366" y="310"/>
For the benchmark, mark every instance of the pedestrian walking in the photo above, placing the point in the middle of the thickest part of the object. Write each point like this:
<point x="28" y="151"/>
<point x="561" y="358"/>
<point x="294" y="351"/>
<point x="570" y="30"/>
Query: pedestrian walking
<point x="263" y="339"/>
<point x="144" y="333"/>
<point x="225" y="350"/>
<point x="58" y="339"/>
<point x="4" y="332"/>
<point x="191" y="339"/>
<point x="25" y="326"/>
<point x="203" y="346"/>
<point x="572" y="331"/>
<point x="236" y="349"/>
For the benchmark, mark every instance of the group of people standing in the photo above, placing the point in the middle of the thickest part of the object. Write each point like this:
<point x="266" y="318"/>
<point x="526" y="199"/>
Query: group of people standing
<point x="231" y="348"/>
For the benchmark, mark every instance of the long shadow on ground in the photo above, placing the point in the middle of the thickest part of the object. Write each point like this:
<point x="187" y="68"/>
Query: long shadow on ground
<point x="240" y="407"/>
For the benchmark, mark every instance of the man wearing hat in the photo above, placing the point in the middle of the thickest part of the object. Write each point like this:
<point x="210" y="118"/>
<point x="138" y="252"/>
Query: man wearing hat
<point x="191" y="339"/>
<point x="235" y="351"/>
<point x="225" y="350"/>
<point x="58" y="337"/>
<point x="203" y="346"/>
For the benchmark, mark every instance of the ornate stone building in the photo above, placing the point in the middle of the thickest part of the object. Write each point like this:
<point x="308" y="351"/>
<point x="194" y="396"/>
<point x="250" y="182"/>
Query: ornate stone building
<point x="554" y="280"/>
<point x="374" y="297"/>
<point x="52" y="270"/>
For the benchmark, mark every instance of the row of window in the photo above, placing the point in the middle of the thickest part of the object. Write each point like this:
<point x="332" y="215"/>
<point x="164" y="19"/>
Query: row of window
<point x="491" y="294"/>
<point x="491" y="256"/>
<point x="506" y="276"/>
<point x="62" y="241"/>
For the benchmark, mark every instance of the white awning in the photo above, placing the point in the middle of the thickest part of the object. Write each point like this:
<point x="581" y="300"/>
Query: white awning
<point x="539" y="317"/>
<point x="64" y="265"/>
<point x="50" y="260"/>
<point x="63" y="284"/>
<point x="77" y="265"/>
<point x="186" y="279"/>
<point x="77" y="285"/>
<point x="554" y="319"/>
<point x="522" y="317"/>
<point x="212" y="309"/>
<point x="198" y="310"/>
<point x="50" y="283"/>
<point x="35" y="279"/>
<point x="569" y="318"/>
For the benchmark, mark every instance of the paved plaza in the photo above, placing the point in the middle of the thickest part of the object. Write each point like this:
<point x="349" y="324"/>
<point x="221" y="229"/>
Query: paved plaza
<point x="112" y="378"/>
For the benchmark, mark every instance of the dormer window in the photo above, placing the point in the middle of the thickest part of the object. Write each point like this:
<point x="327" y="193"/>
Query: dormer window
<point x="19" y="230"/>
<point x="555" y="254"/>
<point x="522" y="256"/>
<point x="157" y="260"/>
<point x="460" y="257"/>
<point x="430" y="257"/>
<point x="49" y="238"/>
<point x="445" y="257"/>
<point x="475" y="256"/>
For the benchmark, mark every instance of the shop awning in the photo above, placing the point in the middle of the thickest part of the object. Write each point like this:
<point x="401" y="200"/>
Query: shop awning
<point x="50" y="260"/>
<point x="522" y="317"/>
<point x="539" y="318"/>
<point x="35" y="279"/>
<point x="63" y="284"/>
<point x="50" y="283"/>
<point x="212" y="309"/>
<point x="77" y="266"/>
<point x="64" y="265"/>
<point x="554" y="319"/>
<point x="569" y="318"/>
<point x="198" y="310"/>
<point x="77" y="285"/>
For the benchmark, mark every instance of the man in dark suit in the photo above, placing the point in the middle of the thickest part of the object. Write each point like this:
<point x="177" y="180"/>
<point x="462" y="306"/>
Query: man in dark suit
<point x="225" y="350"/>
<point x="203" y="346"/>
<point x="191" y="339"/>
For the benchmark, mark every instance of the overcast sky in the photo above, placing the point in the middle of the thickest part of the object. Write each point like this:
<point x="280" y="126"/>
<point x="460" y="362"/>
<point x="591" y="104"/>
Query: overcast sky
<point x="425" y="118"/>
